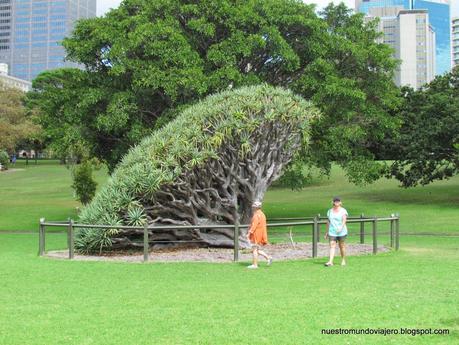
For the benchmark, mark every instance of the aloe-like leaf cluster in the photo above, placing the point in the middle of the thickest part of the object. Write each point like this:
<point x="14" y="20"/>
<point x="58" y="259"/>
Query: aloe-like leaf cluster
<point x="217" y="157"/>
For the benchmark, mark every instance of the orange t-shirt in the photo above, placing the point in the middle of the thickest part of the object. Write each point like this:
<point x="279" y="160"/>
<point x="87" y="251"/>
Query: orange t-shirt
<point x="257" y="230"/>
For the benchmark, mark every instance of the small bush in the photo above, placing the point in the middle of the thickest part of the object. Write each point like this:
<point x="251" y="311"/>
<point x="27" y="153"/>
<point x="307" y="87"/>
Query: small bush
<point x="4" y="159"/>
<point x="83" y="182"/>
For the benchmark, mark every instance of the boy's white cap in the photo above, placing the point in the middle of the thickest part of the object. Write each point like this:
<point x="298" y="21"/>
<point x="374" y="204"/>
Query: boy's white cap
<point x="256" y="204"/>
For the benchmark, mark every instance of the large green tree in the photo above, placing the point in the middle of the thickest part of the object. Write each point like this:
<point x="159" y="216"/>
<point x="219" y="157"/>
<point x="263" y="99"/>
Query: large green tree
<point x="427" y="148"/>
<point x="147" y="60"/>
<point x="16" y="123"/>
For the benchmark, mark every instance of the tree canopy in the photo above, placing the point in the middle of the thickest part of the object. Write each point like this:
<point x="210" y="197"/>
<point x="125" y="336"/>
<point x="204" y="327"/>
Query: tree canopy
<point x="206" y="167"/>
<point x="147" y="60"/>
<point x="15" y="123"/>
<point x="427" y="148"/>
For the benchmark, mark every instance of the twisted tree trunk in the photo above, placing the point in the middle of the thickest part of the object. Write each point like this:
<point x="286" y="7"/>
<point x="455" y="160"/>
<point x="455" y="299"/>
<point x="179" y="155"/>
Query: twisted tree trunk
<point x="216" y="191"/>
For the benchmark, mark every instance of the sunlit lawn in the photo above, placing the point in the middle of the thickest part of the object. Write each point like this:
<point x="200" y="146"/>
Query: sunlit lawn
<point x="45" y="301"/>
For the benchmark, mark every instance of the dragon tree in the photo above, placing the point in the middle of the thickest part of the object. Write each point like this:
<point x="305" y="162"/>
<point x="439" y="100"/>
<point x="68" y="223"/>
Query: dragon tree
<point x="206" y="167"/>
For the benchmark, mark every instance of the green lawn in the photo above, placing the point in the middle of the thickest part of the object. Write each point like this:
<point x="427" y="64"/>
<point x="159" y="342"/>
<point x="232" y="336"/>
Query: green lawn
<point x="36" y="191"/>
<point x="44" y="191"/>
<point x="46" y="301"/>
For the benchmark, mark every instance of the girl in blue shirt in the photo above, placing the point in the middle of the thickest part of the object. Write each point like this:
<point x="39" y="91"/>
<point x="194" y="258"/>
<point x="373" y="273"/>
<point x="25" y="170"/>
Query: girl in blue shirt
<point x="336" y="230"/>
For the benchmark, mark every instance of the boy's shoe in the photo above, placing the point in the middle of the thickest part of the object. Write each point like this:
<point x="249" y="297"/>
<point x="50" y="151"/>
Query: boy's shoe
<point x="252" y="266"/>
<point x="270" y="261"/>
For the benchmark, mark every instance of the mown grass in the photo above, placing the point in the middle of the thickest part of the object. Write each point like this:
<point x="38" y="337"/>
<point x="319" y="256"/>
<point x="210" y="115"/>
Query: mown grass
<point x="48" y="301"/>
<point x="44" y="190"/>
<point x="30" y="192"/>
<point x="45" y="301"/>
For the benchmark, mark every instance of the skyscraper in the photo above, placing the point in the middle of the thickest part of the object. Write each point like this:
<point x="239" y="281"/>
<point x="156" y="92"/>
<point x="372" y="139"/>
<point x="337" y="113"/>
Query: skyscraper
<point x="5" y="27"/>
<point x="439" y="14"/>
<point x="364" y="6"/>
<point x="439" y="17"/>
<point x="412" y="39"/>
<point x="415" y="41"/>
<point x="455" y="41"/>
<point x="31" y="32"/>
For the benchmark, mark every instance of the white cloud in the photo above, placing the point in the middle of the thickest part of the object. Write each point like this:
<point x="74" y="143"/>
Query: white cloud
<point x="104" y="6"/>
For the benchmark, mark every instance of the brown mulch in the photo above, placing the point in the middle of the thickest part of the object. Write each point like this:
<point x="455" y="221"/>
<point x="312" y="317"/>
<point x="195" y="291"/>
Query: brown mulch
<point x="11" y="170"/>
<point x="279" y="252"/>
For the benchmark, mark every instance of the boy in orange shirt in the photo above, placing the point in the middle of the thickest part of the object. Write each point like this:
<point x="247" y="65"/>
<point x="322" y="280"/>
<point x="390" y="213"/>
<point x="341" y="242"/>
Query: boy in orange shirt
<point x="257" y="235"/>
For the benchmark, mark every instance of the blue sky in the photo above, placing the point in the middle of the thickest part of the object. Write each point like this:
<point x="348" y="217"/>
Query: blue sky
<point x="104" y="5"/>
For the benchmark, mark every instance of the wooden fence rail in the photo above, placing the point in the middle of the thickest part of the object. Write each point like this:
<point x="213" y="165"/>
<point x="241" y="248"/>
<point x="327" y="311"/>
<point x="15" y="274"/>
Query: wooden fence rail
<point x="314" y="222"/>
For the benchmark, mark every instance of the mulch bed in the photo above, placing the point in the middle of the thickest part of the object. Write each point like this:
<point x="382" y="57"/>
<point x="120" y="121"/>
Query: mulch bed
<point x="11" y="170"/>
<point x="279" y="252"/>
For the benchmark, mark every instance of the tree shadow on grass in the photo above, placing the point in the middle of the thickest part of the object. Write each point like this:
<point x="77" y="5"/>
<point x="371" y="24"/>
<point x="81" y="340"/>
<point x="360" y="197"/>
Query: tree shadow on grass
<point x="453" y="326"/>
<point x="441" y="195"/>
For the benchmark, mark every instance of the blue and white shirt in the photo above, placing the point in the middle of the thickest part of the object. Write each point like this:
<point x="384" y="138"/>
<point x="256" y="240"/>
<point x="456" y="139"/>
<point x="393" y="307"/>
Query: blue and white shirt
<point x="335" y="220"/>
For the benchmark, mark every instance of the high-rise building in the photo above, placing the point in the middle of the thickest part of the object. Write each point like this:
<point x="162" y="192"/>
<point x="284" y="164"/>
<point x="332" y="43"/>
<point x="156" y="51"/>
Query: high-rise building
<point x="439" y="17"/>
<point x="364" y="6"/>
<point x="415" y="42"/>
<point x="31" y="32"/>
<point x="412" y="39"/>
<point x="455" y="41"/>
<point x="439" y="14"/>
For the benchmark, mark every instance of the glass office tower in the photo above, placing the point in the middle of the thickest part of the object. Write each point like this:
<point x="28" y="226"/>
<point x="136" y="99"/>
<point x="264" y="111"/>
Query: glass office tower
<point x="364" y="6"/>
<point x="35" y="30"/>
<point x="455" y="40"/>
<point x="439" y="19"/>
<point x="5" y="29"/>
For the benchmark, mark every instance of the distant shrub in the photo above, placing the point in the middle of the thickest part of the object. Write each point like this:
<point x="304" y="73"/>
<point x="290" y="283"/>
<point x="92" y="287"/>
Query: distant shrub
<point x="4" y="159"/>
<point x="83" y="182"/>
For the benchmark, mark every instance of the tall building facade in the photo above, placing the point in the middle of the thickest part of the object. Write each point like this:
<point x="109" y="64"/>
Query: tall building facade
<point x="415" y="42"/>
<point x="455" y="41"/>
<point x="439" y="14"/>
<point x="31" y="32"/>
<point x="412" y="40"/>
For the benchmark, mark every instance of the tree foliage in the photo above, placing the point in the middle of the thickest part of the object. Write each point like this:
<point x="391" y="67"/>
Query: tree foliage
<point x="147" y="60"/>
<point x="427" y="148"/>
<point x="205" y="167"/>
<point x="4" y="159"/>
<point x="15" y="123"/>
<point x="83" y="182"/>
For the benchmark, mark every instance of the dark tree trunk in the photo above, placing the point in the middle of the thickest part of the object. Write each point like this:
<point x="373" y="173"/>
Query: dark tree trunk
<point x="208" y="194"/>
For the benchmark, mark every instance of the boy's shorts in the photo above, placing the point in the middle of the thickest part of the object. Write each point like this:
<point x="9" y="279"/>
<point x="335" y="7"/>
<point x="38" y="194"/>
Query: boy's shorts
<point x="337" y="238"/>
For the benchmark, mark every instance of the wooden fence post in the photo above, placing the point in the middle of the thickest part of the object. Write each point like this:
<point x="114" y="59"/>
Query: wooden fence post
<point x="71" y="241"/>
<point x="41" y="238"/>
<point x="318" y="228"/>
<point x="145" y="242"/>
<point x="314" y="237"/>
<point x="236" y="223"/>
<point x="397" y="232"/>
<point x="392" y="230"/>
<point x="236" y="240"/>
<point x="375" y="238"/>
<point x="362" y="230"/>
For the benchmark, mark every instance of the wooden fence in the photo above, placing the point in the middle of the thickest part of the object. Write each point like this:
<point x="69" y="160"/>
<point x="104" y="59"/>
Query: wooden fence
<point x="314" y="222"/>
